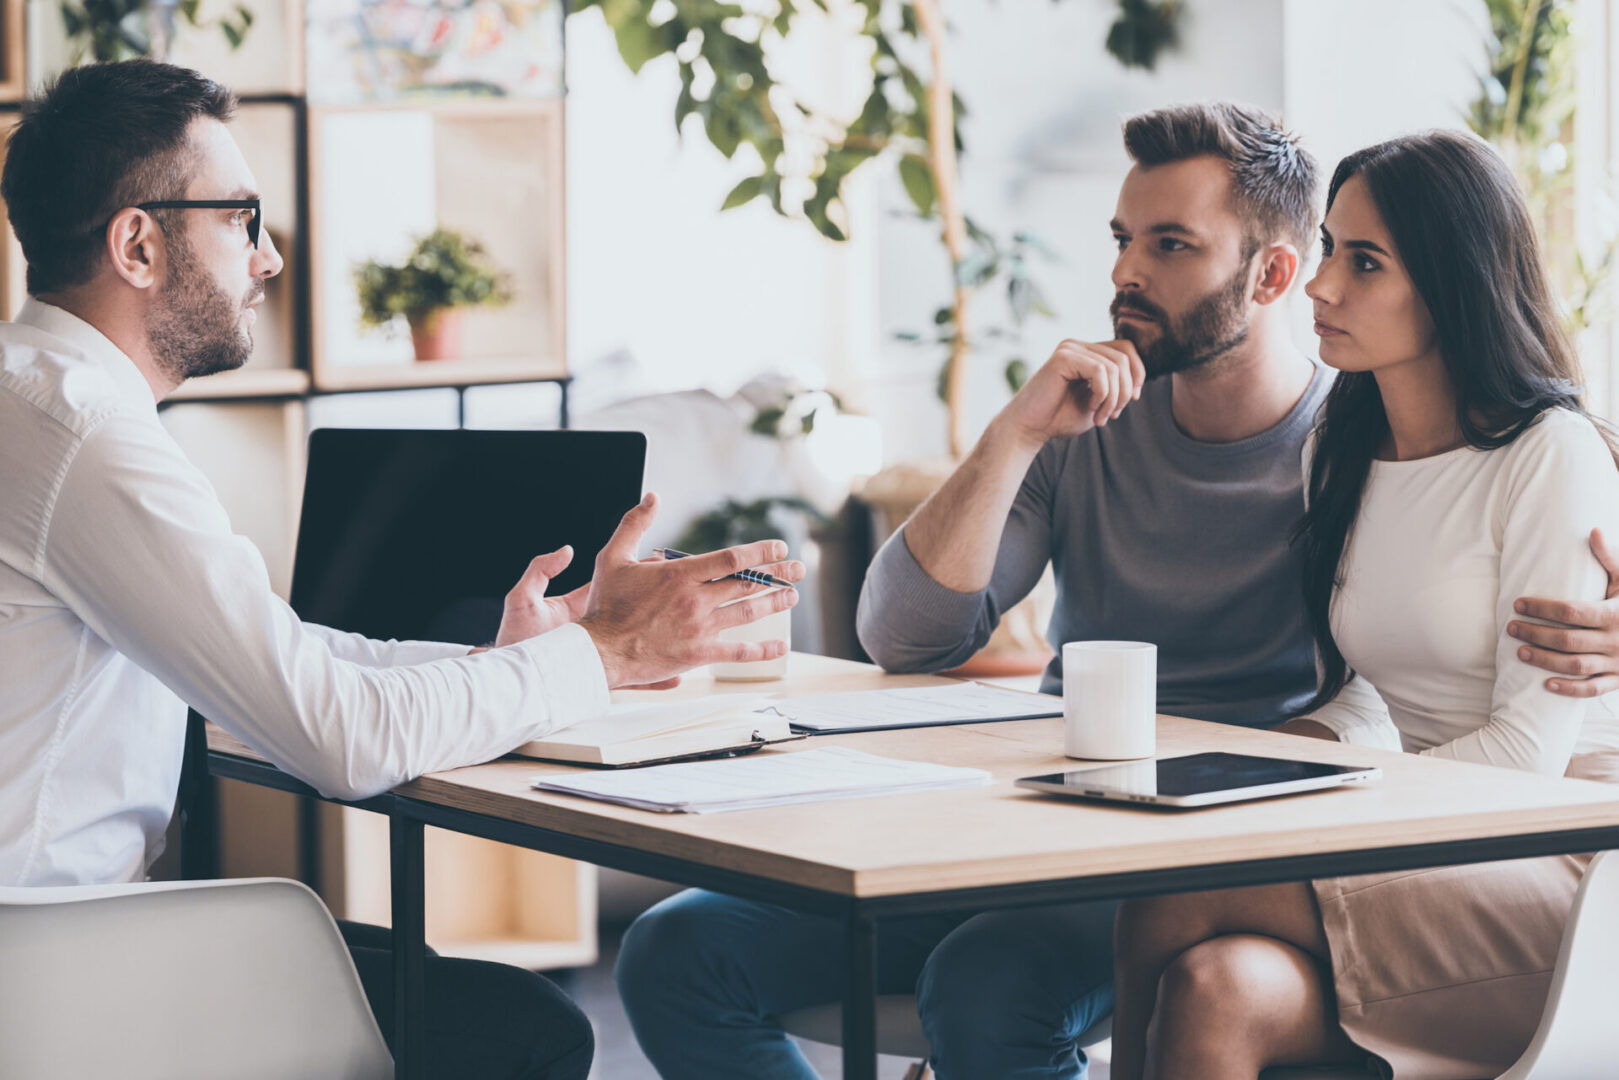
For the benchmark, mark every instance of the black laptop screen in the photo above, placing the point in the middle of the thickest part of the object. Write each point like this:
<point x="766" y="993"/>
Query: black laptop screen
<point x="420" y="534"/>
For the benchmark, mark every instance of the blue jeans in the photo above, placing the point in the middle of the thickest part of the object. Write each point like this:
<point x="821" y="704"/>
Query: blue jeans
<point x="1002" y="994"/>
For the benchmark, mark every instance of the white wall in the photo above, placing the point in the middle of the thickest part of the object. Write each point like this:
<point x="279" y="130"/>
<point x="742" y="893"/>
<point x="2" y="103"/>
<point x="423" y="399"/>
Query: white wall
<point x="700" y="298"/>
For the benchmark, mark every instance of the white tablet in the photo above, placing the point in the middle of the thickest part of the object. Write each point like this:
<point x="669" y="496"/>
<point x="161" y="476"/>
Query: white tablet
<point x="1199" y="779"/>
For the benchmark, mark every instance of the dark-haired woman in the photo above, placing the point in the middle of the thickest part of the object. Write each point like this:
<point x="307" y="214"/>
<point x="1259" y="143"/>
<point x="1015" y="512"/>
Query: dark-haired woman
<point x="1452" y="470"/>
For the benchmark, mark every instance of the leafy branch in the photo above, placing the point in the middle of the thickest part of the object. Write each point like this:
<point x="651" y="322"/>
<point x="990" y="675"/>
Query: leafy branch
<point x="911" y="117"/>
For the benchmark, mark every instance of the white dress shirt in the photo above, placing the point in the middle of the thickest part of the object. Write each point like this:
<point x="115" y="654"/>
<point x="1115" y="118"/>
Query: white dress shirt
<point x="1440" y="550"/>
<point x="125" y="597"/>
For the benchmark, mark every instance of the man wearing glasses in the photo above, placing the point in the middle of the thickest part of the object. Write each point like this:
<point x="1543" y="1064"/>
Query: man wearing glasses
<point x="125" y="596"/>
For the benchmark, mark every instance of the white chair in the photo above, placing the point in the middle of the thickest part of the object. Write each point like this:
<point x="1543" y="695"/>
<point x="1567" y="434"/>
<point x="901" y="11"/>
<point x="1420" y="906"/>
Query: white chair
<point x="1577" y="1038"/>
<point x="177" y="980"/>
<point x="899" y="1028"/>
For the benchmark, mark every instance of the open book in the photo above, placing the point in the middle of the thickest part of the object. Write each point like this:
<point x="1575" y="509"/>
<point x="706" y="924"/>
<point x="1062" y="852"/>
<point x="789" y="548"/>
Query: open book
<point x="636" y="734"/>
<point x="639" y="734"/>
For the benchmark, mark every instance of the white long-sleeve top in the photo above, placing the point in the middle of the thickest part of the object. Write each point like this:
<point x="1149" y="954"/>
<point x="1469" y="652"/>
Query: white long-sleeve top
<point x="125" y="597"/>
<point x="1440" y="550"/>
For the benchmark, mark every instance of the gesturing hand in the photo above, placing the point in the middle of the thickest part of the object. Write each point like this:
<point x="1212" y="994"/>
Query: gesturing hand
<point x="528" y="612"/>
<point x="1585" y="649"/>
<point x="653" y="619"/>
<point x="1082" y="386"/>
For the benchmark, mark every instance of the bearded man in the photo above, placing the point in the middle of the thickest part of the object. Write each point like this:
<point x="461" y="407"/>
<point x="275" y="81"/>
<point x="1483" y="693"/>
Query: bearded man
<point x="1158" y="474"/>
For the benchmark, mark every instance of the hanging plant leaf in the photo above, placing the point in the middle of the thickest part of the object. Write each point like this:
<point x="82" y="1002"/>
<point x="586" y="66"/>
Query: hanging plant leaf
<point x="917" y="176"/>
<point x="1017" y="373"/>
<point x="1144" y="29"/>
<point x="746" y="191"/>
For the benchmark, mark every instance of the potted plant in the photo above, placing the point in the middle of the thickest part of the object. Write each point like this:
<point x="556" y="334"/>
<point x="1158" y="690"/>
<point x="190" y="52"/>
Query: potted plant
<point x="445" y="274"/>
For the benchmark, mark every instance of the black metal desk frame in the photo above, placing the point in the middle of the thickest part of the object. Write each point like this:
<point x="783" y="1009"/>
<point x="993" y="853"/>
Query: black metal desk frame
<point x="408" y="816"/>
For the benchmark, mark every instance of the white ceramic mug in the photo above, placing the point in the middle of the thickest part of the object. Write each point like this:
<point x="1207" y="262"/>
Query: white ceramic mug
<point x="777" y="626"/>
<point x="1110" y="699"/>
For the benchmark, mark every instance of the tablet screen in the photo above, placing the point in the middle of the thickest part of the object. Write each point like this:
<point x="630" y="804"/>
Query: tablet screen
<point x="1197" y="774"/>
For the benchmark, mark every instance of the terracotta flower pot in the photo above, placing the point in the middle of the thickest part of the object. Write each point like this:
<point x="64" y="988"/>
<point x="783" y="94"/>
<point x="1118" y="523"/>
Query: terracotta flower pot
<point x="437" y="334"/>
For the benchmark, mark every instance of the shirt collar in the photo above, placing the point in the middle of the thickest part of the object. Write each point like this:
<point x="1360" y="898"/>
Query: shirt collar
<point x="92" y="343"/>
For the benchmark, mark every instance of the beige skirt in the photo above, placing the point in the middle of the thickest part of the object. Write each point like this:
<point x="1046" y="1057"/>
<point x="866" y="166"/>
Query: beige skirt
<point x="1442" y="974"/>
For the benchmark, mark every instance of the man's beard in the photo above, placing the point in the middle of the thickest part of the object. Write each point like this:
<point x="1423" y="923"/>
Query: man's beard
<point x="1213" y="327"/>
<point x="196" y="328"/>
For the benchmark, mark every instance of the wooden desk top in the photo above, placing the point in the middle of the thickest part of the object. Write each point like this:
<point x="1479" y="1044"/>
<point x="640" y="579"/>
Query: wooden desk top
<point x="994" y="835"/>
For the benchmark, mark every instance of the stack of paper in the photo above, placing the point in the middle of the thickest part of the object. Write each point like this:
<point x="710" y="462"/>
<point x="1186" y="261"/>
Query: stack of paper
<point x="917" y="706"/>
<point x="764" y="779"/>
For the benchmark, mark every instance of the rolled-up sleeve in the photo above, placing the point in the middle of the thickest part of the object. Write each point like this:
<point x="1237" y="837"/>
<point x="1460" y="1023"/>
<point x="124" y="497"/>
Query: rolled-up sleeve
<point x="139" y="547"/>
<point x="907" y="621"/>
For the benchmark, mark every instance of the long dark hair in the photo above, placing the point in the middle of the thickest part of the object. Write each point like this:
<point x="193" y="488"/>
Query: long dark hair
<point x="1463" y="230"/>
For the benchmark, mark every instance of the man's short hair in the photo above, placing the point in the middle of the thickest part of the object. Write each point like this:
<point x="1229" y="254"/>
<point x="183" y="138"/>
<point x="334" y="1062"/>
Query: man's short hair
<point x="100" y="138"/>
<point x="1274" y="181"/>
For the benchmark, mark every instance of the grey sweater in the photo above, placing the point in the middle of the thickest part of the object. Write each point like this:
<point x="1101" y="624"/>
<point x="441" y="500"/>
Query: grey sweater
<point x="1152" y="536"/>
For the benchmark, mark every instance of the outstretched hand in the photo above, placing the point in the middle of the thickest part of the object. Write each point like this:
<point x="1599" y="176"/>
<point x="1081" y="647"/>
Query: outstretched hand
<point x="652" y="619"/>
<point x="528" y="612"/>
<point x="1584" y="650"/>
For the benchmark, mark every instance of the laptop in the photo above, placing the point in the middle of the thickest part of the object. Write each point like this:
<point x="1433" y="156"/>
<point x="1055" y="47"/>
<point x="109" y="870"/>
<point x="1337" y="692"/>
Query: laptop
<point x="1194" y="780"/>
<point x="419" y="535"/>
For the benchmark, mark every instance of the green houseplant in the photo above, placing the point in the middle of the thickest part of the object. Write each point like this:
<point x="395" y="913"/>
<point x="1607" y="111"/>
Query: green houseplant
<point x="445" y="274"/>
<point x="121" y="29"/>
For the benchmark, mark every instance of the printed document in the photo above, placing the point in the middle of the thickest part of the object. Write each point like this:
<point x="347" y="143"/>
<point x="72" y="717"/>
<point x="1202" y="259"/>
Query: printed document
<point x="768" y="778"/>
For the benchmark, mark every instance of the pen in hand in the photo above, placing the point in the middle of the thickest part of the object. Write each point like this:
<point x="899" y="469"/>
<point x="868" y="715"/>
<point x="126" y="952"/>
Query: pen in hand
<point x="755" y="576"/>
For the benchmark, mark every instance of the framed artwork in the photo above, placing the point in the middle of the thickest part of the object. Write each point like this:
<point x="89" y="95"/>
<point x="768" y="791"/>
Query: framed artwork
<point x="363" y="51"/>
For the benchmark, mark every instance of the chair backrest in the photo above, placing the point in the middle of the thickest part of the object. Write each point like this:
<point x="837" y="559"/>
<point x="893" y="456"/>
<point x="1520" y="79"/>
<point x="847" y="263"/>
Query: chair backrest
<point x="247" y="979"/>
<point x="1578" y="1038"/>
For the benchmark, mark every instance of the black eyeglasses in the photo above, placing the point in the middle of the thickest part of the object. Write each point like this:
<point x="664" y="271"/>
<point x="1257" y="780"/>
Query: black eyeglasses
<point x="213" y="204"/>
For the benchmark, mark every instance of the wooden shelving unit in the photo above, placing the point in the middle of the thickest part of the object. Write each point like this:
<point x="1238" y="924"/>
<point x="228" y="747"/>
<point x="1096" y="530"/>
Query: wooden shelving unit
<point x="381" y="175"/>
<point x="494" y="171"/>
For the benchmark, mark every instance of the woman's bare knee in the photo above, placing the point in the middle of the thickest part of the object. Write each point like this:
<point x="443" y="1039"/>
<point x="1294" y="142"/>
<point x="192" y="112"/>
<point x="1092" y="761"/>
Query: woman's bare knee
<point x="1236" y="1004"/>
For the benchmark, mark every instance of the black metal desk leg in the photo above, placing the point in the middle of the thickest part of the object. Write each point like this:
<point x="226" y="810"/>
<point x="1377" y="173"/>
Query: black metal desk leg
<point x="409" y="947"/>
<point x="860" y="1000"/>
